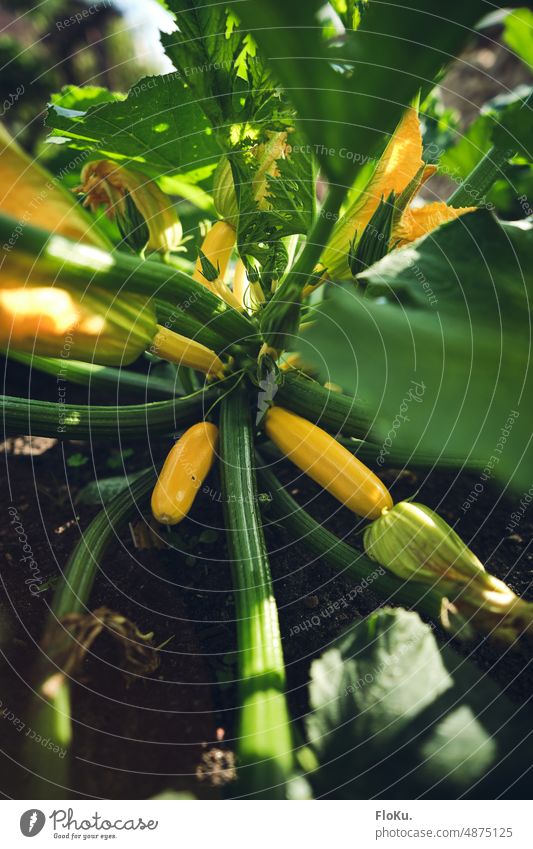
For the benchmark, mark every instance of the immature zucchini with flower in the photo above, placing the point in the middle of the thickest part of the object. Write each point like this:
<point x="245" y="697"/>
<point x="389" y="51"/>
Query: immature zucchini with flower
<point x="415" y="543"/>
<point x="78" y="318"/>
<point x="95" y="326"/>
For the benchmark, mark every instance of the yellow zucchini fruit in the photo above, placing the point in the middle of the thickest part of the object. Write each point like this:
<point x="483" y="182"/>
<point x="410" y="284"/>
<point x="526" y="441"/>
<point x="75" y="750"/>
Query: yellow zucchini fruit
<point x="95" y="326"/>
<point x="185" y="352"/>
<point x="328" y="463"/>
<point x="240" y="282"/>
<point x="183" y="473"/>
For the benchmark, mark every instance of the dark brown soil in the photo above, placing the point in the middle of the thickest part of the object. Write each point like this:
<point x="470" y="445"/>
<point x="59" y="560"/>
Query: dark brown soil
<point x="138" y="736"/>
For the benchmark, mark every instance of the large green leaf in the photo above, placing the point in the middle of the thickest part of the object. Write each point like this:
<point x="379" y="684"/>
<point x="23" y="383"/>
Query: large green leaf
<point x="349" y="92"/>
<point x="474" y="265"/>
<point x="204" y="50"/>
<point x="394" y="716"/>
<point x="158" y="127"/>
<point x="220" y="64"/>
<point x="290" y="196"/>
<point x="446" y="320"/>
<point x="101" y="491"/>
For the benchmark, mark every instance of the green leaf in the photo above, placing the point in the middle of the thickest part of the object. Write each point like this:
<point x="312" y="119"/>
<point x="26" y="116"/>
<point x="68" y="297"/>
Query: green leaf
<point x="208" y="536"/>
<point x="518" y="34"/>
<point x="204" y="50"/>
<point x="438" y="124"/>
<point x="77" y="460"/>
<point x="174" y="795"/>
<point x="471" y="265"/>
<point x="514" y="129"/>
<point x="462" y="157"/>
<point x="158" y="128"/>
<point x="117" y="457"/>
<point x="349" y="11"/>
<point x="498" y="116"/>
<point x="342" y="88"/>
<point x="292" y="193"/>
<point x="219" y="62"/>
<point x="74" y="98"/>
<point x="290" y="196"/>
<point x="449" y="315"/>
<point x="394" y="716"/>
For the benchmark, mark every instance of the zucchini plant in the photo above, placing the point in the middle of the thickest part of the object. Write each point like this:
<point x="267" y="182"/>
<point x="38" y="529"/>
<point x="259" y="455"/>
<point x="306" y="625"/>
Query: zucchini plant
<point x="321" y="313"/>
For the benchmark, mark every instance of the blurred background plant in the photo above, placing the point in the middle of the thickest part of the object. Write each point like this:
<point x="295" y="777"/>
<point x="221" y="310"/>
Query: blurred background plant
<point x="494" y="71"/>
<point x="85" y="42"/>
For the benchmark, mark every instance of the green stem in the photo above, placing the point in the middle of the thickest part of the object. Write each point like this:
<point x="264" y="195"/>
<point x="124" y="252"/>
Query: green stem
<point x="473" y="189"/>
<point x="281" y="317"/>
<point x="50" y="709"/>
<point x="330" y="410"/>
<point x="186" y="378"/>
<point x="341" y="556"/>
<point x="328" y="215"/>
<point x="368" y="452"/>
<point x="72" y="594"/>
<point x="99" y="378"/>
<point x="78" y="421"/>
<point x="265" y="742"/>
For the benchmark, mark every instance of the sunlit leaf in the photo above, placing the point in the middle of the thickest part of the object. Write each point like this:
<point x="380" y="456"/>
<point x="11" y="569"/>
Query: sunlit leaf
<point x="158" y="128"/>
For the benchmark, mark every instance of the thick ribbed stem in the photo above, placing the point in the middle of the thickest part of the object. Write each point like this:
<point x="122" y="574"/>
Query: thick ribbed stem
<point x="78" y="421"/>
<point x="265" y="745"/>
<point x="473" y="189"/>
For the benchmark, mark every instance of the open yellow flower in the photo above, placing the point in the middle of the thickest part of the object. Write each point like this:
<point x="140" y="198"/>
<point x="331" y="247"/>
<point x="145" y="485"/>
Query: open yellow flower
<point x="401" y="171"/>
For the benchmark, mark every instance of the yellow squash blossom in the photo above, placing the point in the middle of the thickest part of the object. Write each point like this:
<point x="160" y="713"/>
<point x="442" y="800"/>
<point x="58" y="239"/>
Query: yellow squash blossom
<point x="145" y="216"/>
<point x="416" y="222"/>
<point x="401" y="171"/>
